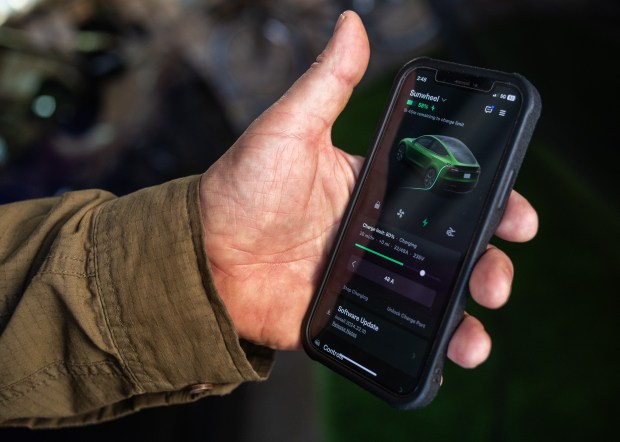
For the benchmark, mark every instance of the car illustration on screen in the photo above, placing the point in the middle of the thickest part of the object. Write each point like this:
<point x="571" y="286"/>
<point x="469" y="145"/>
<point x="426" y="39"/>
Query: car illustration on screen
<point x="445" y="162"/>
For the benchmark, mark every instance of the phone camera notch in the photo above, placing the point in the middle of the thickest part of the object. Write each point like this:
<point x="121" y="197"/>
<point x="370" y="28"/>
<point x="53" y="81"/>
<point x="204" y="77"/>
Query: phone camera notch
<point x="464" y="80"/>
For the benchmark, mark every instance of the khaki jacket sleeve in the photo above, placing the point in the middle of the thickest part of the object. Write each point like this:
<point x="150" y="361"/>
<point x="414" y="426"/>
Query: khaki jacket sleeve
<point x="107" y="306"/>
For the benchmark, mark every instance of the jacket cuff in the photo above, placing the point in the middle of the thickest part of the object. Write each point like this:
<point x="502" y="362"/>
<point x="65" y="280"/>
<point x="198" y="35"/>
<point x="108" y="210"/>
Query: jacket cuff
<point x="166" y="320"/>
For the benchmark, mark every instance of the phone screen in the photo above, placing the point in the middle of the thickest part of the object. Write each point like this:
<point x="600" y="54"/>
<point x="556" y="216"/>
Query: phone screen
<point x="412" y="226"/>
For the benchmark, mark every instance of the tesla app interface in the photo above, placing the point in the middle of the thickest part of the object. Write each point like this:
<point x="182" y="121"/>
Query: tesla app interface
<point x="411" y="227"/>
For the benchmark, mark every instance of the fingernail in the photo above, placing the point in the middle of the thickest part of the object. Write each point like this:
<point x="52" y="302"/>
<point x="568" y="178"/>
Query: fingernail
<point x="340" y="21"/>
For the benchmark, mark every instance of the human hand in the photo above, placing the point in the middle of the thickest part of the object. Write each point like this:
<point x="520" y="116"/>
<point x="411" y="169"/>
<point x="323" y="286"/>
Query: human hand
<point x="272" y="204"/>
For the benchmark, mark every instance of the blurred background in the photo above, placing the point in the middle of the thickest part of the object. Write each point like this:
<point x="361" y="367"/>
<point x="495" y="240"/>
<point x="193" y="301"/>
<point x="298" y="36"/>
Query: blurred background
<point x="125" y="94"/>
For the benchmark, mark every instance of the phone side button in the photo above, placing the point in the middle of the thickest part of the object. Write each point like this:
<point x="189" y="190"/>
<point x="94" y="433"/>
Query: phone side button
<point x="505" y="190"/>
<point x="438" y="378"/>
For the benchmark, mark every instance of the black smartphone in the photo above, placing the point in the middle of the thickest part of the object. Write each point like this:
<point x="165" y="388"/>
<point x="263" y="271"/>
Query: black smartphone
<point x="429" y="197"/>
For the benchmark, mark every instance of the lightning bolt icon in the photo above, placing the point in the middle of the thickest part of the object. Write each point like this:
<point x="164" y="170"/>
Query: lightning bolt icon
<point x="425" y="222"/>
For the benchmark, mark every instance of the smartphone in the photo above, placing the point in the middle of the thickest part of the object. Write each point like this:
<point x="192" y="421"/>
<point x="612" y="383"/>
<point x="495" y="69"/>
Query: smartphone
<point x="428" y="199"/>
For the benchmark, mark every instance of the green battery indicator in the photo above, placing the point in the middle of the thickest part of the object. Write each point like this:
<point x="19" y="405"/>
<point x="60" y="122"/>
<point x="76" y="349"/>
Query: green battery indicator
<point x="409" y="102"/>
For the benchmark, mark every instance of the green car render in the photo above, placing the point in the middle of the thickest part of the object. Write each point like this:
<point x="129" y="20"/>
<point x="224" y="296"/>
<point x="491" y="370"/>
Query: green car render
<point x="445" y="162"/>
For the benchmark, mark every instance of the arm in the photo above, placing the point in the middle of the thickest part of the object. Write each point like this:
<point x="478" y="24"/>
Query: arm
<point x="107" y="306"/>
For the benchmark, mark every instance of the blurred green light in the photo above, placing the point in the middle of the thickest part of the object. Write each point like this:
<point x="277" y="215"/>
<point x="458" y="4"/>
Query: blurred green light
<point x="44" y="106"/>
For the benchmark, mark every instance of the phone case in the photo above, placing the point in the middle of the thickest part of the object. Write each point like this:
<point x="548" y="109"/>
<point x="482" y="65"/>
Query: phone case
<point x="492" y="213"/>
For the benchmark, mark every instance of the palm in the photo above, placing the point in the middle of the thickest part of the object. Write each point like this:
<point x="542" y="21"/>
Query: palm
<point x="273" y="204"/>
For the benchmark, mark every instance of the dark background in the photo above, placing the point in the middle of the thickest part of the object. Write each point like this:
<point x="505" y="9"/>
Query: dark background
<point x="552" y="372"/>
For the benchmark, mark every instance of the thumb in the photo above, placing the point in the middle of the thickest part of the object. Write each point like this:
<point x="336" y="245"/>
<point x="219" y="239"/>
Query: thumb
<point x="322" y="92"/>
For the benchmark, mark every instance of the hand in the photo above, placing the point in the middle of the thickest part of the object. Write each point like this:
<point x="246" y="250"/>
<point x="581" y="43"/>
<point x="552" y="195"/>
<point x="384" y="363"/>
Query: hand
<point x="272" y="204"/>
<point x="491" y="281"/>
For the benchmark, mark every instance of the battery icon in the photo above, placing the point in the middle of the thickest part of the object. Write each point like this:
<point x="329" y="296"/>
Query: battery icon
<point x="409" y="102"/>
<point x="511" y="97"/>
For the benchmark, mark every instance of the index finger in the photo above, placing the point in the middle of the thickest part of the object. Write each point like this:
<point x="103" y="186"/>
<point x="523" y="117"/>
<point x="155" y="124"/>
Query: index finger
<point x="520" y="220"/>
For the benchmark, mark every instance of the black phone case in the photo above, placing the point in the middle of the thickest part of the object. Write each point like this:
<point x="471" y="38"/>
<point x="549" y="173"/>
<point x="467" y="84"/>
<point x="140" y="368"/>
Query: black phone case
<point x="491" y="215"/>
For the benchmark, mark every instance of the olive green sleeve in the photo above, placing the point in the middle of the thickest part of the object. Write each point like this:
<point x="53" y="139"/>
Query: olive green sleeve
<point x="107" y="306"/>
